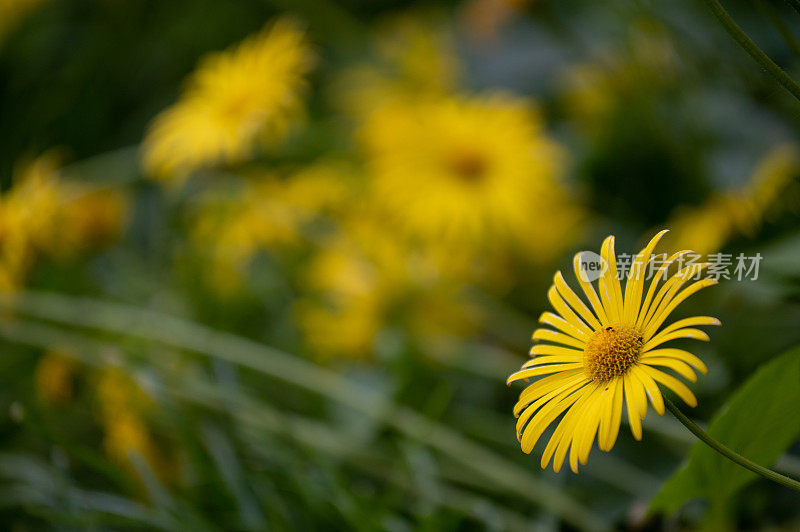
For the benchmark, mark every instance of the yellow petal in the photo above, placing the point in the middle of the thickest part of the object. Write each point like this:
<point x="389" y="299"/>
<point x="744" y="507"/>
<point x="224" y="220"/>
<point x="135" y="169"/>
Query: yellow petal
<point x="634" y="420"/>
<point x="679" y="354"/>
<point x="635" y="283"/>
<point x="694" y="321"/>
<point x="616" y="415"/>
<point x="563" y="309"/>
<point x="638" y="395"/>
<point x="543" y="418"/>
<point x="651" y="388"/>
<point x="670" y="288"/>
<point x="546" y="385"/>
<point x="608" y="284"/>
<point x="555" y="439"/>
<point x="657" y="320"/>
<point x="548" y="318"/>
<point x="590" y="421"/>
<point x="588" y="289"/>
<point x="606" y="408"/>
<point x="552" y="397"/>
<point x="543" y="349"/>
<point x="551" y="359"/>
<point x="574" y="301"/>
<point x="673" y="384"/>
<point x="662" y="272"/>
<point x="679" y="367"/>
<point x="572" y="418"/>
<point x="565" y="429"/>
<point x="692" y="334"/>
<point x="556" y="337"/>
<point x="544" y="370"/>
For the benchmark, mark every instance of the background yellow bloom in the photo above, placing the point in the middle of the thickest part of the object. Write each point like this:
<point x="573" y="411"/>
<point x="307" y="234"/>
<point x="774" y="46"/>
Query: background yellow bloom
<point x="468" y="172"/>
<point x="250" y="93"/>
<point x="43" y="215"/>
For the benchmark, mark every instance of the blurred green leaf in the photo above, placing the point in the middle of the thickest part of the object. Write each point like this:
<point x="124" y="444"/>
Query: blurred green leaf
<point x="759" y="422"/>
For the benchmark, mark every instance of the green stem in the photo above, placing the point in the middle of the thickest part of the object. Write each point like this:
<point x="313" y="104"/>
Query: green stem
<point x="795" y="4"/>
<point x="775" y="19"/>
<point x="769" y="474"/>
<point x="752" y="48"/>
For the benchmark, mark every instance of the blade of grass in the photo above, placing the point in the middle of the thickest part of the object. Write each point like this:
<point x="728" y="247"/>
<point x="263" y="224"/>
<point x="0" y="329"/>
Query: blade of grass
<point x="752" y="49"/>
<point x="183" y="334"/>
<point x="252" y="414"/>
<point x="230" y="469"/>
<point x="795" y="4"/>
<point x="209" y="395"/>
<point x="318" y="436"/>
<point x="775" y="19"/>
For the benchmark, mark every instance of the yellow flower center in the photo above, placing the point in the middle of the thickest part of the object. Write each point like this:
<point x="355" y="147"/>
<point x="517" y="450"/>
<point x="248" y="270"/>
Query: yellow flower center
<point x="467" y="165"/>
<point x="611" y="351"/>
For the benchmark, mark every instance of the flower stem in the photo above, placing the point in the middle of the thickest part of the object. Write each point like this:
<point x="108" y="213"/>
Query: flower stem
<point x="771" y="14"/>
<point x="752" y="49"/>
<point x="795" y="4"/>
<point x="728" y="453"/>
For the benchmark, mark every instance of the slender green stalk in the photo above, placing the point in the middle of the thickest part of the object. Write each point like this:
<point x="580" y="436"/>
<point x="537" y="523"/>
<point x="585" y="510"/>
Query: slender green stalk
<point x="775" y="19"/>
<point x="769" y="474"/>
<point x="752" y="49"/>
<point x="795" y="4"/>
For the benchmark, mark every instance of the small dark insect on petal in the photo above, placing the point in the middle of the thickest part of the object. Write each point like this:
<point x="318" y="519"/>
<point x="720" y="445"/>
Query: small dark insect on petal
<point x="609" y="328"/>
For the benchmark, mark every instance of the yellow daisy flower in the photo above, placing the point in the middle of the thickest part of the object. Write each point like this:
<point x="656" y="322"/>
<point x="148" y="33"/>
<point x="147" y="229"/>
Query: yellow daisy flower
<point x="598" y="359"/>
<point x="43" y="215"/>
<point x="233" y="99"/>
<point x="467" y="172"/>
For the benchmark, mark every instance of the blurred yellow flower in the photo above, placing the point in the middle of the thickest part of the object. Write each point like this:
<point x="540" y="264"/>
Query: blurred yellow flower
<point x="267" y="211"/>
<point x="116" y="391"/>
<point x="468" y="173"/>
<point x="364" y="279"/>
<point x="249" y="93"/>
<point x="349" y="312"/>
<point x="54" y="377"/>
<point x="126" y="433"/>
<point x="345" y="327"/>
<point x="708" y="227"/>
<point x="28" y="218"/>
<point x="43" y="215"/>
<point x="92" y="218"/>
<point x="122" y="407"/>
<point x="595" y="361"/>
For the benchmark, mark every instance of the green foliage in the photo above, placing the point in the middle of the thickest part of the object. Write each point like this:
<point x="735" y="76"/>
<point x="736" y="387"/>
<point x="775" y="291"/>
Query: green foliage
<point x="759" y="422"/>
<point x="246" y="422"/>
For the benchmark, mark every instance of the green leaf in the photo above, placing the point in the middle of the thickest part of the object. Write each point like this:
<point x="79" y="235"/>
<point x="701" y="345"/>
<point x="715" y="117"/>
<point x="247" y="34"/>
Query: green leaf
<point x="759" y="422"/>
